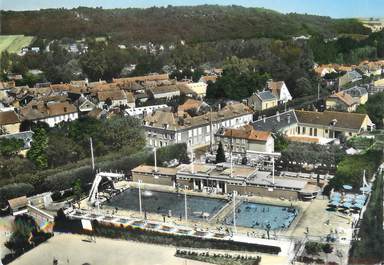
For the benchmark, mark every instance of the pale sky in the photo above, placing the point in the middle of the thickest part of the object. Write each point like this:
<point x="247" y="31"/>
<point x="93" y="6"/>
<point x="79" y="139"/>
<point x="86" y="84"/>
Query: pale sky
<point x="333" y="8"/>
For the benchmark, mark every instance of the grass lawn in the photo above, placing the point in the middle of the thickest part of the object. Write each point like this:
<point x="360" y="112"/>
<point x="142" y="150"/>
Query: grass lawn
<point x="14" y="43"/>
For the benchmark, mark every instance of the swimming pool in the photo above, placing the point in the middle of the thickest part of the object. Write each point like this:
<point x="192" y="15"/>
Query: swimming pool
<point x="255" y="215"/>
<point x="167" y="202"/>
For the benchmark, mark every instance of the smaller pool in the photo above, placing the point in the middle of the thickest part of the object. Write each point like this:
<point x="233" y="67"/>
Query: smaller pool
<point x="259" y="216"/>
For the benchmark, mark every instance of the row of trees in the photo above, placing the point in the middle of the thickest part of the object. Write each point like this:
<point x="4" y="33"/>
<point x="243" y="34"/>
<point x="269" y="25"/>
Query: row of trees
<point x="369" y="249"/>
<point x="374" y="108"/>
<point x="348" y="49"/>
<point x="68" y="143"/>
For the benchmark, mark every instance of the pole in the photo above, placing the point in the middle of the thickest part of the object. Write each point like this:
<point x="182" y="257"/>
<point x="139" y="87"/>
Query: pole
<point x="140" y="197"/>
<point x="210" y="130"/>
<point x="185" y="205"/>
<point x="92" y="157"/>
<point x="273" y="170"/>
<point x="234" y="211"/>
<point x="155" y="157"/>
<point x="318" y="91"/>
<point x="231" y="148"/>
<point x="192" y="164"/>
<point x="231" y="165"/>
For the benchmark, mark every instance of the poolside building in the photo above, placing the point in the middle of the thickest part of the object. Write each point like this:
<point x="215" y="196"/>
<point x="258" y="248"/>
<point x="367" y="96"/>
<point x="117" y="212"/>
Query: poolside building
<point x="222" y="178"/>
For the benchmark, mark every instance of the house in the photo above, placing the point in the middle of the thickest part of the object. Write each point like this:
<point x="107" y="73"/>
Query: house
<point x="141" y="79"/>
<point x="341" y="101"/>
<point x="208" y="78"/>
<point x="323" y="70"/>
<point x="284" y="123"/>
<point x="358" y="93"/>
<point x="199" y="88"/>
<point x="331" y="124"/>
<point x="280" y="91"/>
<point x="166" y="92"/>
<point x="245" y="138"/>
<point x="191" y="105"/>
<point x="262" y="100"/>
<point x="350" y="77"/>
<point x="164" y="127"/>
<point x="115" y="98"/>
<point x="85" y="105"/>
<point x="9" y="122"/>
<point x="50" y="112"/>
<point x="142" y="111"/>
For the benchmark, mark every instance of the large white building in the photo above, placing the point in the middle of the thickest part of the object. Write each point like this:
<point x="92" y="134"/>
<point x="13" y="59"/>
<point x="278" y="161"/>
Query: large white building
<point x="164" y="127"/>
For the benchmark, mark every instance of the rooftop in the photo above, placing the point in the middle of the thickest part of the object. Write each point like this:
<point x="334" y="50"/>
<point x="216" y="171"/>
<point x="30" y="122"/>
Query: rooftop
<point x="343" y="120"/>
<point x="177" y="121"/>
<point x="8" y="117"/>
<point x="247" y="132"/>
<point x="276" y="122"/>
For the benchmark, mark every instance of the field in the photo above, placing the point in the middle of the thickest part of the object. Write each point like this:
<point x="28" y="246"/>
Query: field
<point x="14" y="43"/>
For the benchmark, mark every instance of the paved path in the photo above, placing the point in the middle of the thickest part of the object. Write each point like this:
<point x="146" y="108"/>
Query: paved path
<point x="71" y="249"/>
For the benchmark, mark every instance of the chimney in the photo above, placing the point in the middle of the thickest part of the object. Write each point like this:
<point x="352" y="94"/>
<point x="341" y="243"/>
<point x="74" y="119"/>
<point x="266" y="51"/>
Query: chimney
<point x="277" y="116"/>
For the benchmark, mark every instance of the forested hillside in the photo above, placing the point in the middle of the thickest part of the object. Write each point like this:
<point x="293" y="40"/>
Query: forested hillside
<point x="158" y="24"/>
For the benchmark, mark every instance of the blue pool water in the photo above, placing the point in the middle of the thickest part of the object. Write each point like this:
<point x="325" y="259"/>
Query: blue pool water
<point x="167" y="202"/>
<point x="255" y="215"/>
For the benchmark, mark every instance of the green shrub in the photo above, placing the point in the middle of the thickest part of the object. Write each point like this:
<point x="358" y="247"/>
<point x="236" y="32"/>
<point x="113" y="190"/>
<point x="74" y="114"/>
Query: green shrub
<point x="14" y="190"/>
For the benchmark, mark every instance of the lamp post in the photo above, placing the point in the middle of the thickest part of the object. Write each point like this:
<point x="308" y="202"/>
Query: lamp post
<point x="140" y="208"/>
<point x="234" y="211"/>
<point x="185" y="205"/>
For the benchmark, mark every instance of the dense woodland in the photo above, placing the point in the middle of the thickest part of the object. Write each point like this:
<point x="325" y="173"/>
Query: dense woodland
<point x="170" y="24"/>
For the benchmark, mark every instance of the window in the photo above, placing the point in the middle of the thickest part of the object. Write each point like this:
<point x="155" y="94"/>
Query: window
<point x="208" y="129"/>
<point x="315" y="132"/>
<point x="304" y="130"/>
<point x="190" y="133"/>
<point x="200" y="131"/>
<point x="310" y="131"/>
<point x="298" y="129"/>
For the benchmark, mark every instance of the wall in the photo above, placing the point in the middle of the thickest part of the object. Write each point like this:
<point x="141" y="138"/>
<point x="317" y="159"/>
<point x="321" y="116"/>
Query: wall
<point x="263" y="191"/>
<point x="150" y="179"/>
<point x="11" y="128"/>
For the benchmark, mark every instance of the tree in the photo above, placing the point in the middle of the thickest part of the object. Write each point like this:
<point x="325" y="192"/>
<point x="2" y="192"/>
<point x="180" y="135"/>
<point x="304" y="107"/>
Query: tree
<point x="37" y="153"/>
<point x="10" y="147"/>
<point x="313" y="248"/>
<point x="220" y="154"/>
<point x="281" y="143"/>
<point x="23" y="228"/>
<point x="77" y="190"/>
<point x="62" y="150"/>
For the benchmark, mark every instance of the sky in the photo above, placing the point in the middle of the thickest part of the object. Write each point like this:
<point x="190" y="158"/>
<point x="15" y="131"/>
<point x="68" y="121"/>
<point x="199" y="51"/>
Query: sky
<point x="332" y="8"/>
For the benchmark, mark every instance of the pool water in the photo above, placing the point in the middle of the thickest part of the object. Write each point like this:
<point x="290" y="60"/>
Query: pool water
<point x="167" y="202"/>
<point x="255" y="215"/>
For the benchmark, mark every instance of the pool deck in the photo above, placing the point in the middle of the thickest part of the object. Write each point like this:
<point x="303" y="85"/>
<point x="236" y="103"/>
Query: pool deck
<point x="312" y="218"/>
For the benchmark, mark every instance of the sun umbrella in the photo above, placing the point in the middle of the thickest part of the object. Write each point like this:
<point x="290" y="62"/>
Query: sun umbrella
<point x="334" y="203"/>
<point x="347" y="205"/>
<point x="347" y="187"/>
